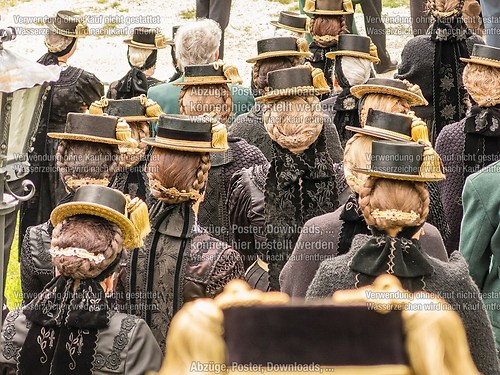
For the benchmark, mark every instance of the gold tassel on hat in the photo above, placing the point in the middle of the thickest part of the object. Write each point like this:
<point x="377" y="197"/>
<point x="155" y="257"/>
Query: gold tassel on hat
<point x="302" y="45"/>
<point x="139" y="216"/>
<point x="82" y="30"/>
<point x="307" y="27"/>
<point x="419" y="131"/>
<point x="123" y="133"/>
<point x="96" y="108"/>
<point x="219" y="136"/>
<point x="231" y="73"/>
<point x="347" y="5"/>
<point x="160" y="40"/>
<point x="432" y="166"/>
<point x="414" y="88"/>
<point x="153" y="109"/>
<point x="374" y="51"/>
<point x="310" y="6"/>
<point x="319" y="81"/>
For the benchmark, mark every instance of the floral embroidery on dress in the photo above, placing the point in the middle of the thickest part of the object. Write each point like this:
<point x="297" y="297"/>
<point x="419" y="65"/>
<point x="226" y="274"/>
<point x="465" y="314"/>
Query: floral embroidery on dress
<point x="9" y="331"/>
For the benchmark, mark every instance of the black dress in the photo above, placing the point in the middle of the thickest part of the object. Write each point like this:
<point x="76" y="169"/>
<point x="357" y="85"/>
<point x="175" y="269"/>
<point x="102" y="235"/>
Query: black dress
<point x="75" y="90"/>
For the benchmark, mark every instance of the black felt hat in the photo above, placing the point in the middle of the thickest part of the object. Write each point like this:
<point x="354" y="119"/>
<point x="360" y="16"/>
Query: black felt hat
<point x="292" y="21"/>
<point x="394" y="87"/>
<point x="147" y="38"/>
<point x="484" y="55"/>
<point x="132" y="110"/>
<point x="386" y="125"/>
<point x="189" y="133"/>
<point x="329" y="7"/>
<point x="216" y="73"/>
<point x="94" y="128"/>
<point x="110" y="204"/>
<point x="296" y="81"/>
<point x="355" y="46"/>
<point x="67" y="23"/>
<point x="402" y="161"/>
<point x="281" y="47"/>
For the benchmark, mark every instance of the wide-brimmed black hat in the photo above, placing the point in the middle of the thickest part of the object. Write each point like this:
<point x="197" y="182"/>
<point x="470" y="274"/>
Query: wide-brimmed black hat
<point x="292" y="21"/>
<point x="111" y="205"/>
<point x="281" y="47"/>
<point x="132" y="110"/>
<point x="329" y="7"/>
<point x="395" y="87"/>
<point x="296" y="81"/>
<point x="484" y="55"/>
<point x="94" y="128"/>
<point x="355" y="46"/>
<point x="147" y="38"/>
<point x="67" y="23"/>
<point x="386" y="125"/>
<point x="189" y="133"/>
<point x="216" y="73"/>
<point x="402" y="161"/>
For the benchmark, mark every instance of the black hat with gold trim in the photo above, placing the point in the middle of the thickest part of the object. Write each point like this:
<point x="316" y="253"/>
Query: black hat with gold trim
<point x="281" y="47"/>
<point x="355" y="46"/>
<point x="395" y="87"/>
<point x="292" y="21"/>
<point x="189" y="133"/>
<point x="147" y="38"/>
<point x="386" y="125"/>
<point x="408" y="161"/>
<point x="484" y="55"/>
<point x="131" y="216"/>
<point x="210" y="74"/>
<point x="135" y="109"/>
<point x="94" y="128"/>
<point x="329" y="7"/>
<point x="67" y="23"/>
<point x="297" y="81"/>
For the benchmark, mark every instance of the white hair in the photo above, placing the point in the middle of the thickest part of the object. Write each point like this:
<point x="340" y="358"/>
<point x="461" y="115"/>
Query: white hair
<point x="196" y="42"/>
<point x="138" y="56"/>
<point x="356" y="69"/>
<point x="56" y="42"/>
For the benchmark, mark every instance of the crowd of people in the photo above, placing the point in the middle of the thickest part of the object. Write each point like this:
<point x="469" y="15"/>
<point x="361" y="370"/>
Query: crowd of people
<point x="153" y="197"/>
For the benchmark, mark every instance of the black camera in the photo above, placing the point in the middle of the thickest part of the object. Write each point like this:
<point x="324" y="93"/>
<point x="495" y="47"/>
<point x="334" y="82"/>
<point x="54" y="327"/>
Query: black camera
<point x="7" y="34"/>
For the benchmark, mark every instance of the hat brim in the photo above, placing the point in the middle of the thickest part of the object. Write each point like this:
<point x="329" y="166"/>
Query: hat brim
<point x="131" y="236"/>
<point x="398" y="176"/>
<point x="286" y="27"/>
<point x="293" y="91"/>
<point x="87" y="138"/>
<point x="131" y="43"/>
<point x="481" y="61"/>
<point x="267" y="55"/>
<point x="50" y="23"/>
<point x="413" y="99"/>
<point x="379" y="133"/>
<point x="199" y="83"/>
<point x="138" y="118"/>
<point x="363" y="55"/>
<point x="171" y="146"/>
<point x="330" y="12"/>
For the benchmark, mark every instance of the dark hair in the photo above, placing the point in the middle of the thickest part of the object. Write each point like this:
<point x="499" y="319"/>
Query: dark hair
<point x="197" y="100"/>
<point x="323" y="28"/>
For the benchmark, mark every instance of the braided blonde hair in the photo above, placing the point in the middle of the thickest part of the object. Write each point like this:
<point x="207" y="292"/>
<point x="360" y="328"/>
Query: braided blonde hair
<point x="185" y="171"/>
<point x="92" y="233"/>
<point x="483" y="84"/>
<point x="384" y="194"/>
<point x="294" y="122"/>
<point x="357" y="154"/>
<point x="196" y="100"/>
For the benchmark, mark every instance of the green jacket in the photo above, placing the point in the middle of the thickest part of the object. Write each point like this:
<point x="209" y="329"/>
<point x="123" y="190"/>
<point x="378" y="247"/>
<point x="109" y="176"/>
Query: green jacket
<point x="480" y="237"/>
<point x="167" y="96"/>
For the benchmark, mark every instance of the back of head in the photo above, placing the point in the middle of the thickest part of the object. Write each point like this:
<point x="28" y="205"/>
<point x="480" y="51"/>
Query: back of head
<point x="197" y="100"/>
<point x="357" y="154"/>
<point x="138" y="56"/>
<point x="382" y="102"/>
<point x="264" y="66"/>
<point x="294" y="122"/>
<point x="197" y="42"/>
<point x="403" y="196"/>
<point x="91" y="233"/>
<point x="356" y="70"/>
<point x="483" y="84"/>
<point x="325" y="29"/>
<point x="443" y="6"/>
<point x="80" y="160"/>
<point x="184" y="171"/>
<point x="57" y="43"/>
